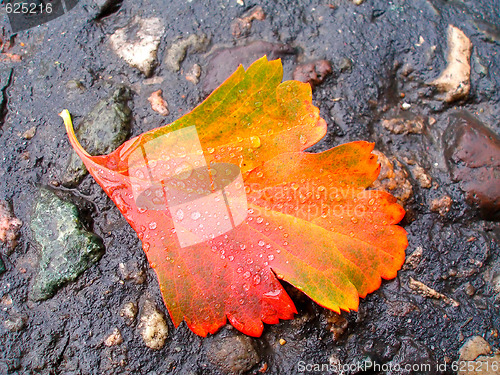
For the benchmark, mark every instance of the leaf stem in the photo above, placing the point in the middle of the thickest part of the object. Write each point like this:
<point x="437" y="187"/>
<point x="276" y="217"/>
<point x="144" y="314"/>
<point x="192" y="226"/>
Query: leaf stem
<point x="71" y="132"/>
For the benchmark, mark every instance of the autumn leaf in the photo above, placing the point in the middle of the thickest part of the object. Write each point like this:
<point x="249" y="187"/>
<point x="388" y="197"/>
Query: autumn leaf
<point x="226" y="203"/>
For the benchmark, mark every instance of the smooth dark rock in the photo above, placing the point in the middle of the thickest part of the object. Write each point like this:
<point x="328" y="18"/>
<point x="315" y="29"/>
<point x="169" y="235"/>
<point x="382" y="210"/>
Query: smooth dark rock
<point x="106" y="7"/>
<point x="224" y="62"/>
<point x="472" y="153"/>
<point x="313" y="73"/>
<point x="414" y="353"/>
<point x="233" y="354"/>
<point x="101" y="132"/>
<point x="67" y="249"/>
<point x="2" y="266"/>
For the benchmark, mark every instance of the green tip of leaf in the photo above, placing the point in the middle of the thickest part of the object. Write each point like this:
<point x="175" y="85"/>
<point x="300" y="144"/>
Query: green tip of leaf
<point x="65" y="115"/>
<point x="66" y="118"/>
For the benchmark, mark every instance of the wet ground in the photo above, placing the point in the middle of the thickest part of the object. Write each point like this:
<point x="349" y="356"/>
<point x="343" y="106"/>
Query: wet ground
<point x="383" y="56"/>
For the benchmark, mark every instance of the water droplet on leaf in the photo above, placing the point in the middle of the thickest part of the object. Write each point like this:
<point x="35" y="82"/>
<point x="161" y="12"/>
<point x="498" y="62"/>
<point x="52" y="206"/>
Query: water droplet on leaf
<point x="255" y="141"/>
<point x="179" y="214"/>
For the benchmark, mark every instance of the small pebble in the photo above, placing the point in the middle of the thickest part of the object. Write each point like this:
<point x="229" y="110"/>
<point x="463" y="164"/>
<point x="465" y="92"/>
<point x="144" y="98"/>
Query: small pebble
<point x="242" y="26"/>
<point x="9" y="225"/>
<point x="158" y="104"/>
<point x="129" y="312"/>
<point x="441" y="205"/>
<point x="177" y="51"/>
<point x="115" y="338"/>
<point x="6" y="300"/>
<point x="153" y="327"/>
<point x="15" y="322"/>
<point x="393" y="178"/>
<point x="472" y="153"/>
<point x="473" y="348"/>
<point x="409" y="123"/>
<point x="421" y="176"/>
<point x="193" y="75"/>
<point x="469" y="289"/>
<point x="132" y="271"/>
<point x="313" y="73"/>
<point x="454" y="81"/>
<point x="345" y="64"/>
<point x="30" y="133"/>
<point x="75" y="85"/>
<point x="233" y="355"/>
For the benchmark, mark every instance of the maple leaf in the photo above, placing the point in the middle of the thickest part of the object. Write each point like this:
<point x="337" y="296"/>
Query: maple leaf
<point x="226" y="203"/>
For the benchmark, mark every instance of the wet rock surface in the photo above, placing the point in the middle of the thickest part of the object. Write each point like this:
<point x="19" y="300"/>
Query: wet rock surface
<point x="100" y="132"/>
<point x="225" y="61"/>
<point x="137" y="43"/>
<point x="176" y="53"/>
<point x="475" y="358"/>
<point x="473" y="348"/>
<point x="313" y="73"/>
<point x="473" y="156"/>
<point x="454" y="81"/>
<point x="233" y="354"/>
<point x="66" y="249"/>
<point x="384" y="54"/>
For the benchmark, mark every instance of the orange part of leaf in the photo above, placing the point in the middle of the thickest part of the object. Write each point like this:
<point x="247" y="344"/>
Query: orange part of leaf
<point x="307" y="217"/>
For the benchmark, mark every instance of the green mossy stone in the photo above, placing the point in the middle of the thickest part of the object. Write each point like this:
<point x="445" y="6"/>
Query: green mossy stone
<point x="66" y="248"/>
